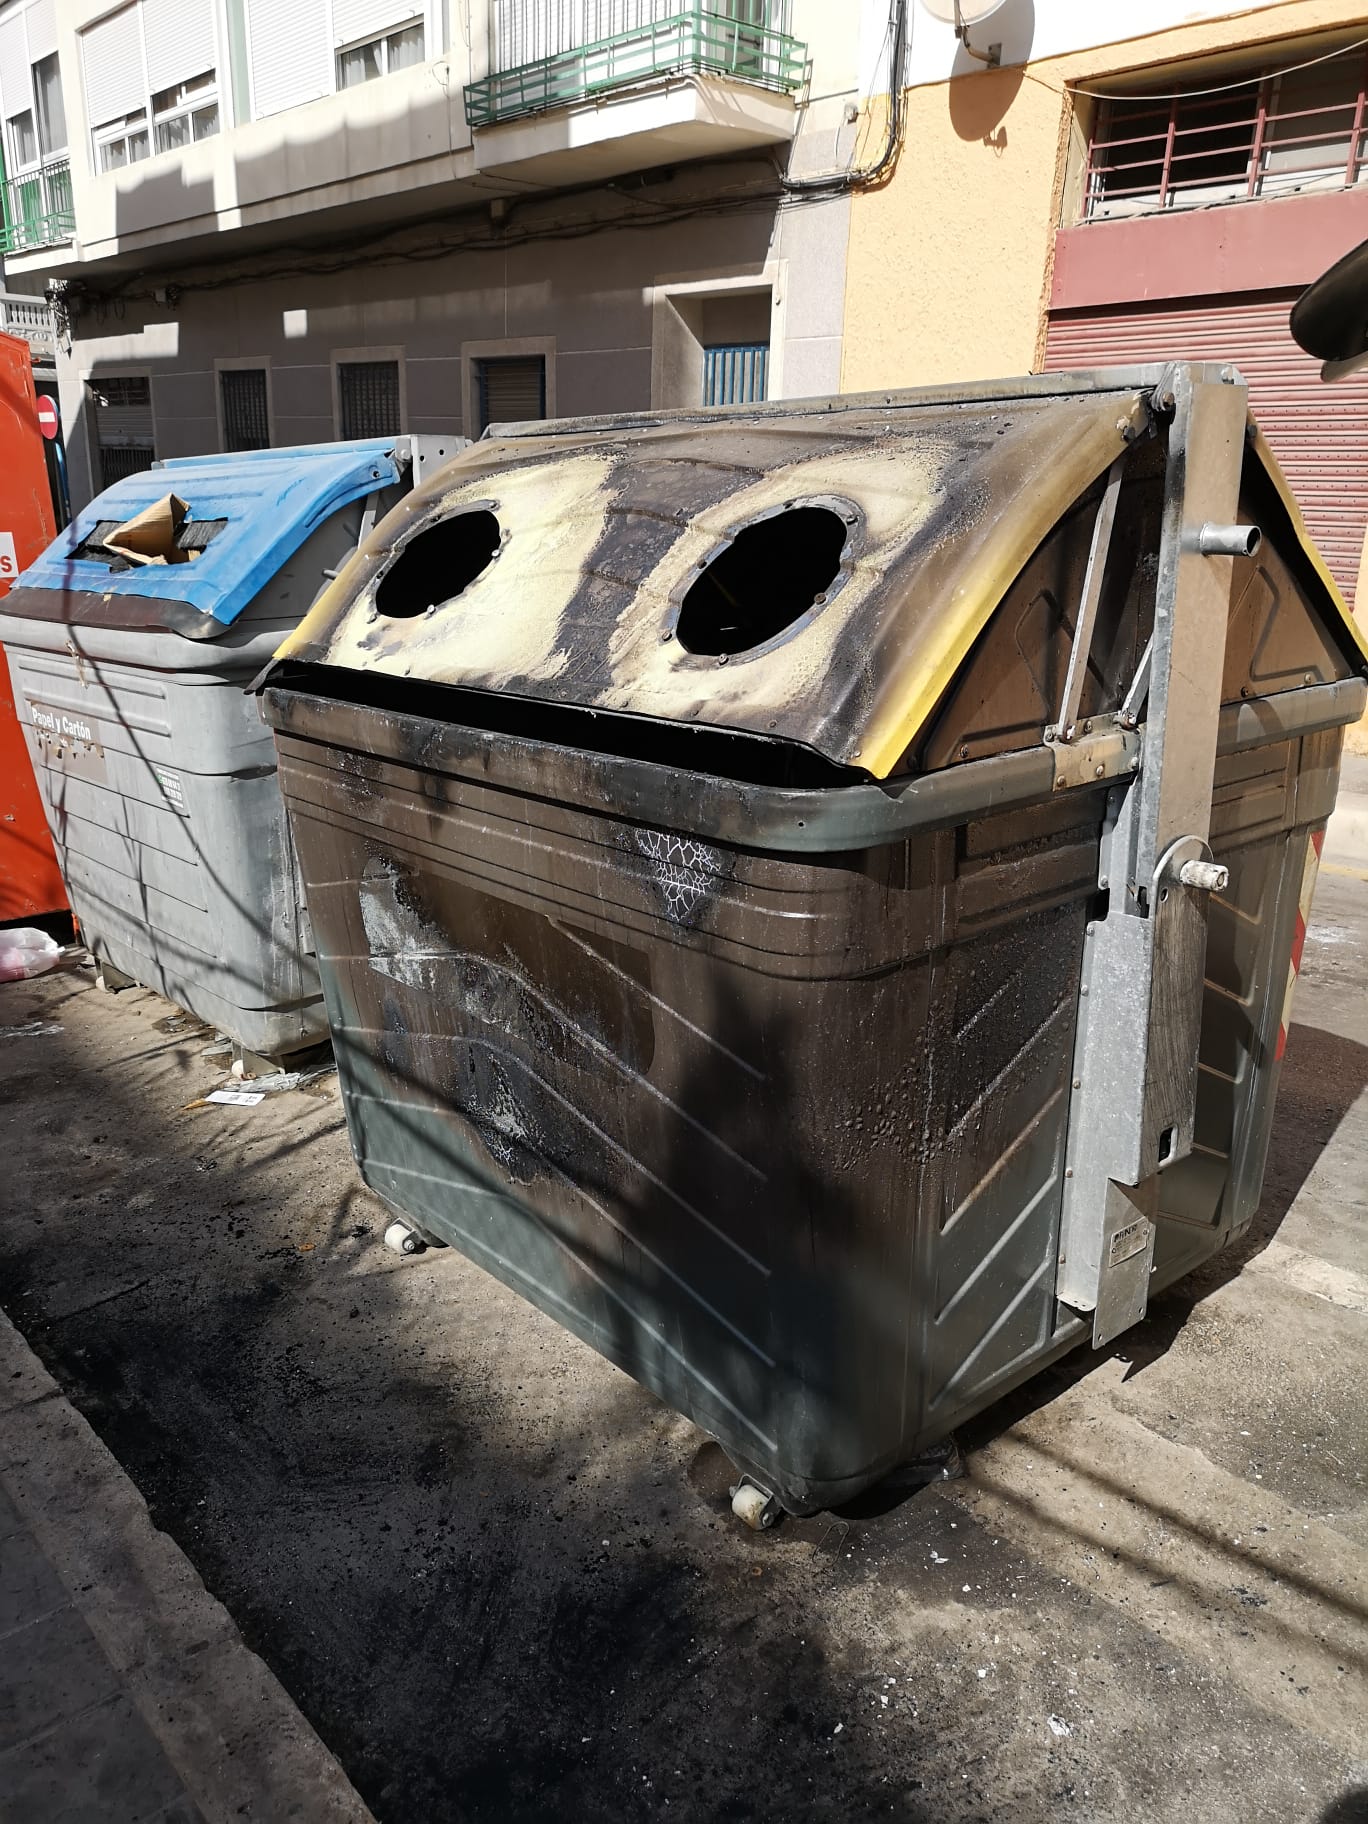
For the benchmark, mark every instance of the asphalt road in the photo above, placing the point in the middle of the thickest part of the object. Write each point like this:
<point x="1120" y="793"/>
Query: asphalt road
<point x="502" y="1582"/>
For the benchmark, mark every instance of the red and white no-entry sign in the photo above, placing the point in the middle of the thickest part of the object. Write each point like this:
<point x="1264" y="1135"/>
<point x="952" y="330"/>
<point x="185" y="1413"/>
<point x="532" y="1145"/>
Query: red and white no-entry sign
<point x="48" y="422"/>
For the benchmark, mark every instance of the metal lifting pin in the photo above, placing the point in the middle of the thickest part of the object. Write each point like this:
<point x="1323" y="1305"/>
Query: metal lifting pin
<point x="1228" y="541"/>
<point x="1210" y="876"/>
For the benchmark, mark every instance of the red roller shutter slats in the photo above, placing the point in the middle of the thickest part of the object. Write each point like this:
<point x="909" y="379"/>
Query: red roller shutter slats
<point x="1318" y="433"/>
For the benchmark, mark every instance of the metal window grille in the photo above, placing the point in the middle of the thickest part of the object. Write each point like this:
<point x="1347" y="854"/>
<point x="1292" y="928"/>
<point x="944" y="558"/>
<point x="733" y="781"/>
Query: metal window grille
<point x="122" y="409"/>
<point x="735" y="373"/>
<point x="509" y="389"/>
<point x="1305" y="131"/>
<point x="123" y="459"/>
<point x="368" y="395"/>
<point x="245" y="422"/>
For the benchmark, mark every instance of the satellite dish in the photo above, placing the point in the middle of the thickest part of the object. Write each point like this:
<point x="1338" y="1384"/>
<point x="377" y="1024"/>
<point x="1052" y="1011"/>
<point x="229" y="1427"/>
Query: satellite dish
<point x="1330" y="318"/>
<point x="960" y="13"/>
<point x="964" y="13"/>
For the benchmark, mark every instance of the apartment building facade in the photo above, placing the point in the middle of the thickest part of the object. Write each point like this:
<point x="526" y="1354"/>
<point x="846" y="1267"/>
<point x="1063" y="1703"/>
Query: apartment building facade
<point x="1148" y="180"/>
<point x="278" y="221"/>
<point x="283" y="221"/>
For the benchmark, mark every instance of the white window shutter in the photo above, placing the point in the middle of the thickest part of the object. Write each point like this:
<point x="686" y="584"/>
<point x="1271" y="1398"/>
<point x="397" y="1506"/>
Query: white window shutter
<point x="180" y="41"/>
<point x="111" y="55"/>
<point x="15" y="94"/>
<point x="41" y="20"/>
<point x="291" y="53"/>
<point x="357" y="19"/>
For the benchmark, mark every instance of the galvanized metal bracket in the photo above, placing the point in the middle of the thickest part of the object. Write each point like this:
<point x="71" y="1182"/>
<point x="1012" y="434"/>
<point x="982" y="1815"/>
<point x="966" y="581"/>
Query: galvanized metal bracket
<point x="1102" y="750"/>
<point x="1134" y="1080"/>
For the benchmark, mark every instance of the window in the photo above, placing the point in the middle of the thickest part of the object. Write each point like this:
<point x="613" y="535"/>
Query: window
<point x="509" y="389"/>
<point x="47" y="91"/>
<point x="1272" y="135"/>
<point x="188" y="111"/>
<point x="23" y="141"/>
<point x="122" y="142"/>
<point x="735" y="373"/>
<point x="397" y="50"/>
<point x="122" y="408"/>
<point x="368" y="399"/>
<point x="147" y="90"/>
<point x="246" y="415"/>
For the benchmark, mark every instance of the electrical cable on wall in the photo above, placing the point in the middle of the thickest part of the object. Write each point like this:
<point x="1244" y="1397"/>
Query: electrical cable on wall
<point x="865" y="176"/>
<point x="69" y="300"/>
<point x="1221" y="88"/>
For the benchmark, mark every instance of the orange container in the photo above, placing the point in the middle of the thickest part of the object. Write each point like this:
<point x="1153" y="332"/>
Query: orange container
<point x="30" y="883"/>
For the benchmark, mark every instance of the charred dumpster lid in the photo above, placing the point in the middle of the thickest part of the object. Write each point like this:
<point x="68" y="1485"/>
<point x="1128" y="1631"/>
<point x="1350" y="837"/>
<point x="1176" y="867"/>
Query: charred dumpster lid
<point x="814" y="573"/>
<point x="248" y="513"/>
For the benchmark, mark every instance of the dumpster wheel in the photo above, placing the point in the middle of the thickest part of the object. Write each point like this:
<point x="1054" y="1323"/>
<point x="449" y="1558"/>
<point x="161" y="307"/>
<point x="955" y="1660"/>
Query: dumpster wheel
<point x="756" y="1507"/>
<point x="403" y="1238"/>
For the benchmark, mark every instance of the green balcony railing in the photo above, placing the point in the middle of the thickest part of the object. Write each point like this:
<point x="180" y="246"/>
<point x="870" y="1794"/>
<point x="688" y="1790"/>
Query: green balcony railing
<point x="741" y="40"/>
<point x="37" y="208"/>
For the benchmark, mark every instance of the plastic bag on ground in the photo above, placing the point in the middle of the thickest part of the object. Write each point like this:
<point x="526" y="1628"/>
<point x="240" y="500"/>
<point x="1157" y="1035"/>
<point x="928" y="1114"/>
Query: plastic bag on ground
<point x="26" y="951"/>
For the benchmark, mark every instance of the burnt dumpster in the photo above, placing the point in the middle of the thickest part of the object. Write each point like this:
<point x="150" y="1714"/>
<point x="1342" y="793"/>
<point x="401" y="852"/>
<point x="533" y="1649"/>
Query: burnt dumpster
<point x="129" y="664"/>
<point x="806" y="894"/>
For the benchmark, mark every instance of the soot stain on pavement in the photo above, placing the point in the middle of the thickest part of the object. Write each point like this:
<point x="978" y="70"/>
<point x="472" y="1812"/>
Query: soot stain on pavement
<point x="501" y="1580"/>
<point x="521" y="1608"/>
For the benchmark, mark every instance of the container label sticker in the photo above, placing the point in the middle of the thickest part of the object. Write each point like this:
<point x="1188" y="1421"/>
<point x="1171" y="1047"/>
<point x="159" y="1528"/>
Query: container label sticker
<point x="1128" y="1241"/>
<point x="174" y="788"/>
<point x="9" y="562"/>
<point x="60" y="725"/>
<point x="68" y="741"/>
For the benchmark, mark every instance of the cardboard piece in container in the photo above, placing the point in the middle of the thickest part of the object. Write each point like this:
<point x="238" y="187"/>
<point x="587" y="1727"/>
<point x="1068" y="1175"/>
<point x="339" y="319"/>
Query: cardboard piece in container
<point x="150" y="536"/>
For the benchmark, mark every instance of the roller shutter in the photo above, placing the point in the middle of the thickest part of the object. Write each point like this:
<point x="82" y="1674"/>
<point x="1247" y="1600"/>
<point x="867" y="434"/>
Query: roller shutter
<point x="510" y="389"/>
<point x="355" y="20"/>
<point x="16" y="96"/>
<point x="111" y="56"/>
<point x="181" y="41"/>
<point x="291" y="53"/>
<point x="122" y="409"/>
<point x="41" y="20"/>
<point x="1319" y="433"/>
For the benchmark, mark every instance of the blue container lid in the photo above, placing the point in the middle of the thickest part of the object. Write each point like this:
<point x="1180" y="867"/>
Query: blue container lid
<point x="272" y="500"/>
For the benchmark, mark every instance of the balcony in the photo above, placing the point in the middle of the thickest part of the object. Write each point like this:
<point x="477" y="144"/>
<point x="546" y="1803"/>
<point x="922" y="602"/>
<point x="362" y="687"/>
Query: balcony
<point x="1300" y="133"/>
<point x="37" y="208"/>
<point x="707" y="77"/>
<point x="30" y="320"/>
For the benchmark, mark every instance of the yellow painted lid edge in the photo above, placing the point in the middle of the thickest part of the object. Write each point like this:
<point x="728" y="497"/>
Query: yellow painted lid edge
<point x="996" y="566"/>
<point x="1307" y="543"/>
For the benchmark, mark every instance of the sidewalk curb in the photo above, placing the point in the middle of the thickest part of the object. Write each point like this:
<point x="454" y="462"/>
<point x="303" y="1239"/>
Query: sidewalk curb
<point x="239" y="1744"/>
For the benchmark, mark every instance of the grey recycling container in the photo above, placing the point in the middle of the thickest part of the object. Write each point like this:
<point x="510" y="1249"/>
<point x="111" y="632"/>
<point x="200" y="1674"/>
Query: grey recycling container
<point x="157" y="776"/>
<point x="806" y="894"/>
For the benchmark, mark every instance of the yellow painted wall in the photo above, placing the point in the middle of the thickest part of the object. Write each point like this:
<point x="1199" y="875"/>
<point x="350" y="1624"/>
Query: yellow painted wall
<point x="948" y="270"/>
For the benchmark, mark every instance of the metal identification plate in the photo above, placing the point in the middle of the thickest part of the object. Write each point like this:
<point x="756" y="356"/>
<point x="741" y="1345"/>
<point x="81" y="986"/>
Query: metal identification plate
<point x="1128" y="1241"/>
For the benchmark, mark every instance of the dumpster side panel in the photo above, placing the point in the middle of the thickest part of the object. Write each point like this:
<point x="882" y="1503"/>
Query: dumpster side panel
<point x="758" y="1129"/>
<point x="158" y="777"/>
<point x="1266" y="807"/>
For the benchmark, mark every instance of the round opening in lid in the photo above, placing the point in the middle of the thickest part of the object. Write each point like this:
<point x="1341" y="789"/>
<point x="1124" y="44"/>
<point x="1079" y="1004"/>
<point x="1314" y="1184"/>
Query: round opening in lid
<point x="438" y="563"/>
<point x="765" y="580"/>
